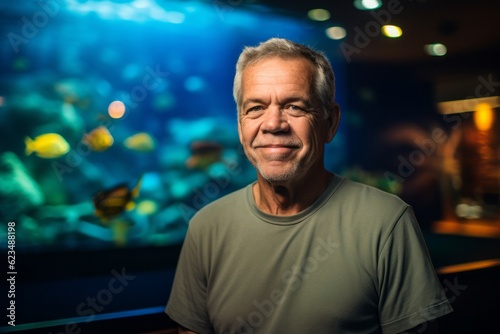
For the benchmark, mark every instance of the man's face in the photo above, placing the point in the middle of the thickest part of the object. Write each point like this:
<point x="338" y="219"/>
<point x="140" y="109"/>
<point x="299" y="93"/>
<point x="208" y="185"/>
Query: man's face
<point x="281" y="127"/>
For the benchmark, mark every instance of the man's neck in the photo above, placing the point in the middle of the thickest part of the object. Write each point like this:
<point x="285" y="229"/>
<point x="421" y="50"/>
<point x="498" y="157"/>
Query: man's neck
<point x="289" y="198"/>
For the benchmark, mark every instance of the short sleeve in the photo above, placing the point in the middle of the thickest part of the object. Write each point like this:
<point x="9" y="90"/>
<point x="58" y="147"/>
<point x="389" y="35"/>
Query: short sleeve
<point x="187" y="302"/>
<point x="410" y="293"/>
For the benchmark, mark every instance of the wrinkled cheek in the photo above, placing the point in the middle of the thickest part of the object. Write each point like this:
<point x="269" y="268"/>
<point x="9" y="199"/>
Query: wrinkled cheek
<point x="315" y="149"/>
<point x="317" y="137"/>
<point x="247" y="150"/>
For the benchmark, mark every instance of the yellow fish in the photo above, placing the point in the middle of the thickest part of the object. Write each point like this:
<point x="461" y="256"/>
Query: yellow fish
<point x="49" y="145"/>
<point x="98" y="139"/>
<point x="142" y="142"/>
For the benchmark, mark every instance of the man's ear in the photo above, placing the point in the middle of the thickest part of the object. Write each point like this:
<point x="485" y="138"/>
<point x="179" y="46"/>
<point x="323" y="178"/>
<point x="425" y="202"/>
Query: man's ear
<point x="333" y="122"/>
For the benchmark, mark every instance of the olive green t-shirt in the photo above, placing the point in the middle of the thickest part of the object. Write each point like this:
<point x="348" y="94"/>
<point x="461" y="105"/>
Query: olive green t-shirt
<point x="353" y="262"/>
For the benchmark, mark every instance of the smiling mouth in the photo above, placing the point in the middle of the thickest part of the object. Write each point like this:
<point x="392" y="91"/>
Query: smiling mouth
<point x="277" y="149"/>
<point x="287" y="146"/>
<point x="277" y="146"/>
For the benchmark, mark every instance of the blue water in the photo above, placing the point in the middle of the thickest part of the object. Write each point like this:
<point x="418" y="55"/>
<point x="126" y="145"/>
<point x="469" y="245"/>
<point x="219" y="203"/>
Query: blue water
<point x="172" y="64"/>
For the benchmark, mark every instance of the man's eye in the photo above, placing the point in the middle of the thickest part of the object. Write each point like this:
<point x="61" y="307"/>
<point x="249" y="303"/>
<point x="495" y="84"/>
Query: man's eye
<point x="255" y="108"/>
<point x="294" y="109"/>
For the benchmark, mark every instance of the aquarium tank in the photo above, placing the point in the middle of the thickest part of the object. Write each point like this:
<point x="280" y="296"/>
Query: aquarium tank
<point x="117" y="122"/>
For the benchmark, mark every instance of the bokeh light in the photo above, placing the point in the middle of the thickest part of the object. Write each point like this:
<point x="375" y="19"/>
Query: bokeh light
<point x="367" y="4"/>
<point x="318" y="14"/>
<point x="484" y="117"/>
<point x="336" y="32"/>
<point x="436" y="49"/>
<point x="116" y="109"/>
<point x="392" y="31"/>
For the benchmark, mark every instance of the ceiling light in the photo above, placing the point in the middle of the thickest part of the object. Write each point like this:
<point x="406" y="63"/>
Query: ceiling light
<point x="336" y="32"/>
<point x="367" y="4"/>
<point x="484" y="116"/>
<point x="318" y="14"/>
<point x="436" y="49"/>
<point x="392" y="31"/>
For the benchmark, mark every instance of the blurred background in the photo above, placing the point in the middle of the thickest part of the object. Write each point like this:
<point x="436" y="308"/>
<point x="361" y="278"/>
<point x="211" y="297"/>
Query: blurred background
<point x="117" y="124"/>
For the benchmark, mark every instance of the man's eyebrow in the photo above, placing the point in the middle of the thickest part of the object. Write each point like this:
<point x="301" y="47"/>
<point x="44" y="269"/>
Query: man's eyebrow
<point x="291" y="99"/>
<point x="284" y="100"/>
<point x="294" y="99"/>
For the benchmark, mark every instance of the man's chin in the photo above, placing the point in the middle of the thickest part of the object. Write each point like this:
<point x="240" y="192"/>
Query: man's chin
<point x="278" y="175"/>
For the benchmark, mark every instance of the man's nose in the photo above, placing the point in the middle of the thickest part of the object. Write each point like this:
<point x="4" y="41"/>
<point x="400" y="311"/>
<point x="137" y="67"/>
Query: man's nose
<point x="275" y="120"/>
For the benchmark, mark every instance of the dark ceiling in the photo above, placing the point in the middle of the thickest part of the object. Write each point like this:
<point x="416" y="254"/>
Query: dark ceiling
<point x="466" y="27"/>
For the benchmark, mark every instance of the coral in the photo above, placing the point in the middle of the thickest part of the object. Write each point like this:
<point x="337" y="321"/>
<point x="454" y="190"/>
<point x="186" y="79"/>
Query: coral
<point x="19" y="193"/>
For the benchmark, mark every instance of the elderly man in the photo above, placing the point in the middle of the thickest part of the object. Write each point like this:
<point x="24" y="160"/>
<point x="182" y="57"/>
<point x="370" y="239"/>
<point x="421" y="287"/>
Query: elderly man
<point x="301" y="250"/>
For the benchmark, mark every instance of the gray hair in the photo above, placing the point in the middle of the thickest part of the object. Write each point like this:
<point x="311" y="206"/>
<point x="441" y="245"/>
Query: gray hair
<point x="324" y="80"/>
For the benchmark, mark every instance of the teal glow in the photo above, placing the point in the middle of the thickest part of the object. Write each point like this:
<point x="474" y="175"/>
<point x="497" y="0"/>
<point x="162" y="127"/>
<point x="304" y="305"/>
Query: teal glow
<point x="194" y="84"/>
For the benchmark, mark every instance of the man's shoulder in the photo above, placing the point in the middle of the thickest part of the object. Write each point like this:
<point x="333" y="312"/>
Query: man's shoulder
<point x="235" y="197"/>
<point x="224" y="205"/>
<point x="366" y="208"/>
<point x="368" y="195"/>
<point x="360" y="202"/>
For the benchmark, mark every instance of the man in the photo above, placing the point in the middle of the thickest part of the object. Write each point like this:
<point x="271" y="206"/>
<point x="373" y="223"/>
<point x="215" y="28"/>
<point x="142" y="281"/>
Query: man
<point x="301" y="250"/>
